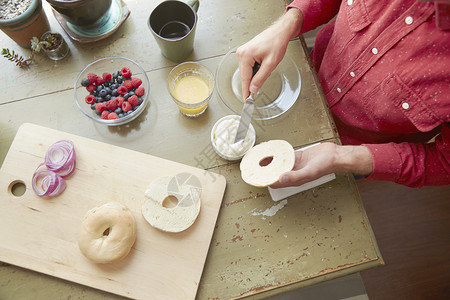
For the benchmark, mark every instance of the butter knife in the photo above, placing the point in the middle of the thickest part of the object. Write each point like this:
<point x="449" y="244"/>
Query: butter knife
<point x="247" y="112"/>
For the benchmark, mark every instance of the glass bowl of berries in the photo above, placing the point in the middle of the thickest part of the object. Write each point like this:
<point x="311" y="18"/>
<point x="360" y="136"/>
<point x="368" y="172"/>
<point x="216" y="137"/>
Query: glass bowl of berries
<point x="112" y="90"/>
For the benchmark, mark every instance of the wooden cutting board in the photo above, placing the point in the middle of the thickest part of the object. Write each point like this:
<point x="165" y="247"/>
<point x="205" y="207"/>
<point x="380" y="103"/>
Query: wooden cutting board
<point x="41" y="233"/>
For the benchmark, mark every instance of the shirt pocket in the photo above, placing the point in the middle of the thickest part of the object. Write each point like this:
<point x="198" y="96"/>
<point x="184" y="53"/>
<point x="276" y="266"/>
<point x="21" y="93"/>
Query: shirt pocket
<point x="357" y="15"/>
<point x="393" y="107"/>
<point x="350" y="20"/>
<point x="411" y="105"/>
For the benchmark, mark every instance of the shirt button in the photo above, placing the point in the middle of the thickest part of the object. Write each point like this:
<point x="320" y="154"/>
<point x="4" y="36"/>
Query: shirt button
<point x="409" y="20"/>
<point x="405" y="105"/>
<point x="349" y="2"/>
<point x="374" y="50"/>
<point x="352" y="74"/>
<point x="339" y="90"/>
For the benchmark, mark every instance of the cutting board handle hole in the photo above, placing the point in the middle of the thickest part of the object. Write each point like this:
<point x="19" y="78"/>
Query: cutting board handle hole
<point x="17" y="188"/>
<point x="170" y="202"/>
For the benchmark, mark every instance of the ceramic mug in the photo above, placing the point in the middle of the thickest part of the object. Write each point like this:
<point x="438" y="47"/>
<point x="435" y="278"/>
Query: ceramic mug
<point x="83" y="13"/>
<point x="173" y="25"/>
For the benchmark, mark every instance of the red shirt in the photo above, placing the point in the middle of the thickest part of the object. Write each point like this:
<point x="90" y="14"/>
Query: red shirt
<point x="385" y="70"/>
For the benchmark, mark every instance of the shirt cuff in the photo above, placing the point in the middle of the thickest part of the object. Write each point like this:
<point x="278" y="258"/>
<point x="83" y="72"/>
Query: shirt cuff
<point x="387" y="162"/>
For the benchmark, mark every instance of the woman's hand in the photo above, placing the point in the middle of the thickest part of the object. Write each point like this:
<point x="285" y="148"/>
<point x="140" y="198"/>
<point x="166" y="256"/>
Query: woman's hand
<point x="268" y="49"/>
<point x="325" y="159"/>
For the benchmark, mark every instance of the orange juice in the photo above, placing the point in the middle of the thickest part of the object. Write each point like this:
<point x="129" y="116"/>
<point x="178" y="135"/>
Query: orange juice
<point x="192" y="90"/>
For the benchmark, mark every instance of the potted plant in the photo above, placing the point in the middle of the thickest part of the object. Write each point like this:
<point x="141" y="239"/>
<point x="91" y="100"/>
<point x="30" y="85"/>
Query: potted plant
<point x="21" y="20"/>
<point x="52" y="43"/>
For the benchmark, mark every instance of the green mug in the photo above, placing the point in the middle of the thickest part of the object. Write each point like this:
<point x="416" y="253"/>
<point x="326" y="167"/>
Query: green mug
<point x="173" y="25"/>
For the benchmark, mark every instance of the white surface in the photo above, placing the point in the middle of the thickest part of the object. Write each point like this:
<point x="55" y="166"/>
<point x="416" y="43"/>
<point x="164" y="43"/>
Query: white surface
<point x="283" y="193"/>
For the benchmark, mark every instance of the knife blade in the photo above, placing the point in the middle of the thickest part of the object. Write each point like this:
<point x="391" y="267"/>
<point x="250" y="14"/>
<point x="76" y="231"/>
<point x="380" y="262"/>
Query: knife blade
<point x="247" y="112"/>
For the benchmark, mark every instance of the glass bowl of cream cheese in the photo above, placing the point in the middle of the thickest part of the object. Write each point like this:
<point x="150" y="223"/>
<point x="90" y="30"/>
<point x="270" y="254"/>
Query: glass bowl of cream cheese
<point x="223" y="134"/>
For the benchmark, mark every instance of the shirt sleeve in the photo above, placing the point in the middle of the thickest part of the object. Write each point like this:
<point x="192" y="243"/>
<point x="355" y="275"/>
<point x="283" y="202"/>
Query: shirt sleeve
<point x="315" y="12"/>
<point x="413" y="165"/>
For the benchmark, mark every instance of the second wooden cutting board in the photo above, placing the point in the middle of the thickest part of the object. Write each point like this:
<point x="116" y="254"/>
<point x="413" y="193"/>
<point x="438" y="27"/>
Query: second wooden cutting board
<point x="41" y="233"/>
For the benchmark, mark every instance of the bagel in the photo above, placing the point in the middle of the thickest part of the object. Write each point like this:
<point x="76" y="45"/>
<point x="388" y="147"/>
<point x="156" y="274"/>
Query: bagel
<point x="279" y="156"/>
<point x="186" y="188"/>
<point x="107" y="233"/>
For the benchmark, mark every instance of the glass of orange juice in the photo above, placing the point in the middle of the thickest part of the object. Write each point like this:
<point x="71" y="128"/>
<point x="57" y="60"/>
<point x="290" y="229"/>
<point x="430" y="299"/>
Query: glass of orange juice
<point x="191" y="85"/>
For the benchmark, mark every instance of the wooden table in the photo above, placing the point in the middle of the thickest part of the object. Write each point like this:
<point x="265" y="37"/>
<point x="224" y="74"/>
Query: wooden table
<point x="319" y="234"/>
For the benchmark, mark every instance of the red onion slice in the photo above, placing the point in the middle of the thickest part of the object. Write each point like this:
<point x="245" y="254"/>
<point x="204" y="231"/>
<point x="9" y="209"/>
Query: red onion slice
<point x="60" y="162"/>
<point x="60" y="158"/>
<point x="48" y="183"/>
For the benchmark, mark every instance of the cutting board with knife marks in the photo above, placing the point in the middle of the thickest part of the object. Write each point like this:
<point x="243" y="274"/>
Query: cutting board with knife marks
<point x="41" y="233"/>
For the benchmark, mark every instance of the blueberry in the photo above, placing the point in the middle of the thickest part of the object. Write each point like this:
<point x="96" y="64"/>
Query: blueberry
<point x="98" y="99"/>
<point x="115" y="74"/>
<point x="85" y="82"/>
<point x="108" y="91"/>
<point x="115" y="93"/>
<point x="114" y="86"/>
<point x="118" y="110"/>
<point x="121" y="115"/>
<point x="126" y="96"/>
<point x="99" y="88"/>
<point x="102" y="93"/>
<point x="107" y="97"/>
<point x="93" y="106"/>
<point x="130" y="93"/>
<point x="119" y="80"/>
<point x="140" y="100"/>
<point x="106" y="83"/>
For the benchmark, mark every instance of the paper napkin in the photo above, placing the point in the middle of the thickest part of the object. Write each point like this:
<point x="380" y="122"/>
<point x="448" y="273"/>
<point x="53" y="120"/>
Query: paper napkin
<point x="282" y="193"/>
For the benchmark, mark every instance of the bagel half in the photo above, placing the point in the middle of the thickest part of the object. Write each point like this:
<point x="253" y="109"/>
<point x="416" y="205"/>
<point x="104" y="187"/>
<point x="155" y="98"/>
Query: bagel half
<point x="280" y="156"/>
<point x="186" y="188"/>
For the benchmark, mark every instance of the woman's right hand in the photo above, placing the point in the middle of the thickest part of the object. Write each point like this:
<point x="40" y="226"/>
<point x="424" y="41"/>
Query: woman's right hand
<point x="268" y="49"/>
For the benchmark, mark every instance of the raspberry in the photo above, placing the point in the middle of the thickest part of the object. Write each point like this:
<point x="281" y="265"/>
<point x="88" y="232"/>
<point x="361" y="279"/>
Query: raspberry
<point x="92" y="78"/>
<point x="128" y="84"/>
<point x="126" y="106"/>
<point x="133" y="100"/>
<point x="112" y="116"/>
<point x="90" y="88"/>
<point x="105" y="114"/>
<point x="136" y="82"/>
<point x="89" y="99"/>
<point x="111" y="104"/>
<point x="126" y="72"/>
<point x="99" y="81"/>
<point x="120" y="101"/>
<point x="140" y="91"/>
<point x="122" y="90"/>
<point x="100" y="107"/>
<point x="107" y="76"/>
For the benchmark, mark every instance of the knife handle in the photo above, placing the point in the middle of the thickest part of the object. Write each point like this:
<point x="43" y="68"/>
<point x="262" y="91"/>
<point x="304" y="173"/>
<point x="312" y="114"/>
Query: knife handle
<point x="256" y="67"/>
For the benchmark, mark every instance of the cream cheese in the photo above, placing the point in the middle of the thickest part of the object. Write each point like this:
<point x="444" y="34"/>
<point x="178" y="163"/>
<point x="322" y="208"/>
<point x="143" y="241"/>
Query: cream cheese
<point x="224" y="134"/>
